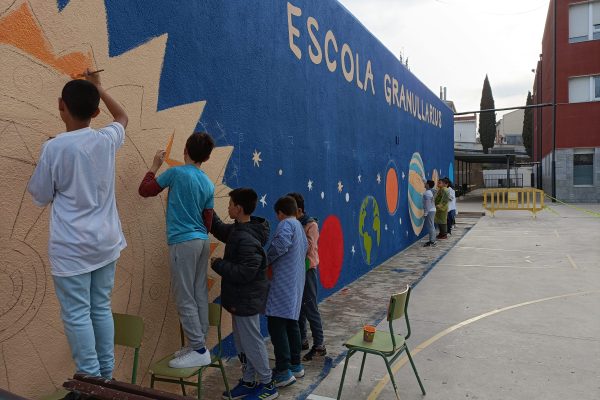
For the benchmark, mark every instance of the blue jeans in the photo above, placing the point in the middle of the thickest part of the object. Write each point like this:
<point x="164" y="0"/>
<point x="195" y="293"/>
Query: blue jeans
<point x="87" y="317"/>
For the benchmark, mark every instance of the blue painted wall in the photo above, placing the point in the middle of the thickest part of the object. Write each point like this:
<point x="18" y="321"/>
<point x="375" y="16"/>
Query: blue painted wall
<point x="308" y="123"/>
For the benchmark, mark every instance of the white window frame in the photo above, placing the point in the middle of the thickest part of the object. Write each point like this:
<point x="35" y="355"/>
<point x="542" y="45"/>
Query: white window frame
<point x="591" y="88"/>
<point x="583" y="151"/>
<point x="591" y="29"/>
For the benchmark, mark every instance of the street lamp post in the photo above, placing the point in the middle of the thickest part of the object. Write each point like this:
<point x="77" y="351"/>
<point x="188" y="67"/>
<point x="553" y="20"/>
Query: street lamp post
<point x="554" y="108"/>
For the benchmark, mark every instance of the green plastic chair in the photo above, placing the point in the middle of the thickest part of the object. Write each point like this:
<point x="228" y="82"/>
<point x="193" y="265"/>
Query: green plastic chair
<point x="129" y="331"/>
<point x="387" y="345"/>
<point x="161" y="372"/>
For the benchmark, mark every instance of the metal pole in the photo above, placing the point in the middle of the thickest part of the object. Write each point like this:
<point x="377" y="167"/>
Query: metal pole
<point x="540" y="128"/>
<point x="554" y="110"/>
<point x="508" y="170"/>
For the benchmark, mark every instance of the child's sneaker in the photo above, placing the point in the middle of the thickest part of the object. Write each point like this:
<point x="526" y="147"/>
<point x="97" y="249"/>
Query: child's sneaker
<point x="242" y="390"/>
<point x="297" y="370"/>
<point x="316" y="351"/>
<point x="191" y="359"/>
<point x="264" y="392"/>
<point x="283" y="379"/>
<point x="182" y="351"/>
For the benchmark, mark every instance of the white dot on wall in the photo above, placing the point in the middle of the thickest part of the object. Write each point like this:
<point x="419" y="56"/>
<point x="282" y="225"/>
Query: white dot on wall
<point x="400" y="221"/>
<point x="347" y="197"/>
<point x="322" y="195"/>
<point x="280" y="172"/>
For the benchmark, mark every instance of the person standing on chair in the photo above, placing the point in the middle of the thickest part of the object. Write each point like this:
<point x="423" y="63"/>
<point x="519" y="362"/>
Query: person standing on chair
<point x="429" y="212"/>
<point x="310" y="307"/>
<point x="189" y="213"/>
<point x="244" y="289"/>
<point x="76" y="176"/>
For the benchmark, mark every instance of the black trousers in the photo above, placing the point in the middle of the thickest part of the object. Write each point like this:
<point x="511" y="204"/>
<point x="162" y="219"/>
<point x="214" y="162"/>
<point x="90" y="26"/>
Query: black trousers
<point x="310" y="309"/>
<point x="285" y="336"/>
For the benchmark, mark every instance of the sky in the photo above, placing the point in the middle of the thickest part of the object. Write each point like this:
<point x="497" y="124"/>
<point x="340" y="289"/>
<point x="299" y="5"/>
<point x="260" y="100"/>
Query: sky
<point x="455" y="43"/>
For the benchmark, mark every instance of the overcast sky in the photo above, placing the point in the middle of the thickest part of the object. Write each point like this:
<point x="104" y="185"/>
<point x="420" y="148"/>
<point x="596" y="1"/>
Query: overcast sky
<point x="455" y="43"/>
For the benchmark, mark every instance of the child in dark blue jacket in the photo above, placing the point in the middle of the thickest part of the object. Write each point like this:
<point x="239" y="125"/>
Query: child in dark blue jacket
<point x="244" y="290"/>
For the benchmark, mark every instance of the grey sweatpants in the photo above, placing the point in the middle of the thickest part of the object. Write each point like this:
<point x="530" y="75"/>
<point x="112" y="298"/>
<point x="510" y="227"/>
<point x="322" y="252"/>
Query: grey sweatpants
<point x="189" y="265"/>
<point x="251" y="348"/>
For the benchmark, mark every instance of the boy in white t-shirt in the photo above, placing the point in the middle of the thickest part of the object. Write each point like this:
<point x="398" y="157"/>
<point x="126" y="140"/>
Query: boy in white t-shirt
<point x="76" y="176"/>
<point x="429" y="212"/>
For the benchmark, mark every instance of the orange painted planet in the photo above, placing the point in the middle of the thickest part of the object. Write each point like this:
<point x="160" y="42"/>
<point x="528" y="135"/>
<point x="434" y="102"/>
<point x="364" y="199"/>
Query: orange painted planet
<point x="391" y="190"/>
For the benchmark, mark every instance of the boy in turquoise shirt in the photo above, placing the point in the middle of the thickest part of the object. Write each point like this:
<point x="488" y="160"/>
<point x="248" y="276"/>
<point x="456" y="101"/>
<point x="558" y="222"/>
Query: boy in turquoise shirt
<point x="190" y="203"/>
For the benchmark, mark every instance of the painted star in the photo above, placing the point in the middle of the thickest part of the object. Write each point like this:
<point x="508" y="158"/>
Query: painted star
<point x="403" y="176"/>
<point x="310" y="185"/>
<point x="378" y="178"/>
<point x="340" y="186"/>
<point x="353" y="250"/>
<point x="263" y="200"/>
<point x="359" y="178"/>
<point x="400" y="221"/>
<point x="256" y="158"/>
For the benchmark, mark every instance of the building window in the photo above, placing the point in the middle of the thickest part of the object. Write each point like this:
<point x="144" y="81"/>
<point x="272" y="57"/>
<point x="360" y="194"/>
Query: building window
<point x="583" y="167"/>
<point x="584" y="22"/>
<point x="584" y="88"/>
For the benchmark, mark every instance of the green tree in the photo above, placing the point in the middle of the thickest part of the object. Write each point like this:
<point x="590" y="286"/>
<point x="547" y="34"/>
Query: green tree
<point x="528" y="126"/>
<point x="487" y="120"/>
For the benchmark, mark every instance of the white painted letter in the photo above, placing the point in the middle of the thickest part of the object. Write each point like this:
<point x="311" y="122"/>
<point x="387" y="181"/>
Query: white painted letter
<point x="331" y="65"/>
<point x="318" y="57"/>
<point x="388" y="90"/>
<point x="349" y="75"/>
<point x="369" y="77"/>
<point x="292" y="30"/>
<point x="358" y="82"/>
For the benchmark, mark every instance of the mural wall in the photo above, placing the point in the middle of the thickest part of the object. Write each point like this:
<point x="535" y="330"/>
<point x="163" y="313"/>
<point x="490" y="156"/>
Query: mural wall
<point x="299" y="97"/>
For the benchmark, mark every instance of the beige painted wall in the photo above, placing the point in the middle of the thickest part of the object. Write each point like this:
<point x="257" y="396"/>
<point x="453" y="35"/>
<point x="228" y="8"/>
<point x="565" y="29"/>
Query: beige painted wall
<point x="39" y="47"/>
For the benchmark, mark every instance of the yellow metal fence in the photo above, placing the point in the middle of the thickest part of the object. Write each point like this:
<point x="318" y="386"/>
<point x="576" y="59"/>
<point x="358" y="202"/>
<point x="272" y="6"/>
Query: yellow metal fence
<point x="521" y="199"/>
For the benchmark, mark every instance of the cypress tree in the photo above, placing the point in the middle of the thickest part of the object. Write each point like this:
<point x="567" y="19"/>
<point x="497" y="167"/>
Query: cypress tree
<point x="528" y="126"/>
<point x="487" y="120"/>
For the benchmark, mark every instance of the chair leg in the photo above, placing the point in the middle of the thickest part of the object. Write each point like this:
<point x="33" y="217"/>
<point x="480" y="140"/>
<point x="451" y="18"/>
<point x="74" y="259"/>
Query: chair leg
<point x="200" y="384"/>
<point x="182" y="386"/>
<point x="362" y="366"/>
<point x="152" y="381"/>
<point x="387" y="365"/>
<point x="339" y="396"/>
<point x="224" y="378"/>
<point x="415" y="369"/>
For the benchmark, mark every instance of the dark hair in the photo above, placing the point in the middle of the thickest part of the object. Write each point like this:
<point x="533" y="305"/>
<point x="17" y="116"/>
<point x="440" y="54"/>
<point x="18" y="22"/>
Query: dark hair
<point x="287" y="205"/>
<point x="447" y="181"/>
<point x="299" y="199"/>
<point x="81" y="98"/>
<point x="244" y="197"/>
<point x="430" y="184"/>
<point x="199" y="146"/>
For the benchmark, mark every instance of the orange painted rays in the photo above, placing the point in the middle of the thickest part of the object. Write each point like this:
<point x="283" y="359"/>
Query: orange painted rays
<point x="21" y="30"/>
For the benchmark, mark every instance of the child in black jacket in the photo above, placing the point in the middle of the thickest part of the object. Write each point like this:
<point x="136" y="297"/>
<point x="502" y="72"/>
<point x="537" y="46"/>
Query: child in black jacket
<point x="244" y="290"/>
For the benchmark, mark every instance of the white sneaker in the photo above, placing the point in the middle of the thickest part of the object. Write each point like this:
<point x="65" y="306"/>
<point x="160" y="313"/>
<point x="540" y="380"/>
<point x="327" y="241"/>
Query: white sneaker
<point x="191" y="359"/>
<point x="182" y="351"/>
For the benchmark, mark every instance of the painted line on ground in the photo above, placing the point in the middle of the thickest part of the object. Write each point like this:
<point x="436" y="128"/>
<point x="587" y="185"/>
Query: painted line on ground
<point x="572" y="262"/>
<point x="383" y="382"/>
<point x="317" y="397"/>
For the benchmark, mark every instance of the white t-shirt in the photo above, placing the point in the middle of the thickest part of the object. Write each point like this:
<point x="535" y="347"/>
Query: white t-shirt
<point x="428" y="203"/>
<point x="452" y="202"/>
<point x="76" y="173"/>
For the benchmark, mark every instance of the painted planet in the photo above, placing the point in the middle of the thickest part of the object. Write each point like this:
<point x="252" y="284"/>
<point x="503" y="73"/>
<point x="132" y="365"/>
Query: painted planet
<point x="391" y="190"/>
<point x="416" y="188"/>
<point x="369" y="229"/>
<point x="331" y="251"/>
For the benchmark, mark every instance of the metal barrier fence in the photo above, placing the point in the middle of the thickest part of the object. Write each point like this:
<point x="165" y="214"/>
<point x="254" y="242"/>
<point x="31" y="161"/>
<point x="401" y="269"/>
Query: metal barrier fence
<point x="500" y="181"/>
<point x="522" y="199"/>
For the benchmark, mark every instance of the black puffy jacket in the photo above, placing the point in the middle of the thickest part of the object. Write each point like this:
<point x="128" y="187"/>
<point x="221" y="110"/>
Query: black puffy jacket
<point x="244" y="283"/>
